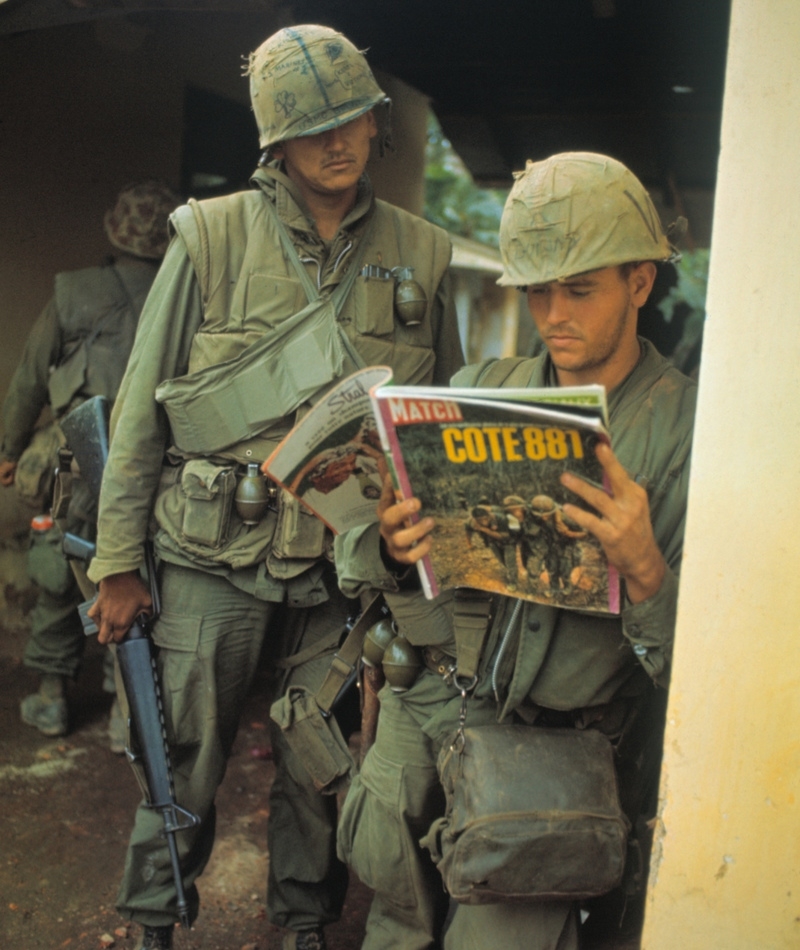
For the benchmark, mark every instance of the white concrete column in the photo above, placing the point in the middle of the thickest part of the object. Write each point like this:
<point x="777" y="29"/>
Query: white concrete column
<point x="725" y="871"/>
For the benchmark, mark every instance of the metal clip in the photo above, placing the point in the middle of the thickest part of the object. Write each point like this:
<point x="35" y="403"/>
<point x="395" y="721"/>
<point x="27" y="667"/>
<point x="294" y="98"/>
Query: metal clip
<point x="375" y="272"/>
<point x="465" y="689"/>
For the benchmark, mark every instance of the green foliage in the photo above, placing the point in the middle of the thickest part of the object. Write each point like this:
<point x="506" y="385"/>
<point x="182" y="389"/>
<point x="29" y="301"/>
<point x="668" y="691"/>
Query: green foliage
<point x="692" y="284"/>
<point x="689" y="294"/>
<point x="452" y="200"/>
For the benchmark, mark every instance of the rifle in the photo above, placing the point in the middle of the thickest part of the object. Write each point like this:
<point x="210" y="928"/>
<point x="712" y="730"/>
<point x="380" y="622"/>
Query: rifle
<point x="86" y="432"/>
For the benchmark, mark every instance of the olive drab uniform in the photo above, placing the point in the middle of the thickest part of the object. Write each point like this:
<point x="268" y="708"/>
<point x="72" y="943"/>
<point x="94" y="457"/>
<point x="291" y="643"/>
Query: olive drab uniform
<point x="548" y="667"/>
<point x="217" y="315"/>
<point x="78" y="348"/>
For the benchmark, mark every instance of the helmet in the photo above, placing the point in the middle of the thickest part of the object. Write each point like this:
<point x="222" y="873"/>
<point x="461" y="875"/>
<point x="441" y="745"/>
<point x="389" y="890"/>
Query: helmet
<point x="575" y="212"/>
<point x="308" y="79"/>
<point x="137" y="224"/>
<point x="513" y="501"/>
<point x="542" y="505"/>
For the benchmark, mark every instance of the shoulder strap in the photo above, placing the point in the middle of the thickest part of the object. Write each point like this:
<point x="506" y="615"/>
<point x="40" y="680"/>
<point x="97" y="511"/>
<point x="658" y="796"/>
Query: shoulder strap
<point x="471" y="616"/>
<point x="345" y="661"/>
<point x="513" y="371"/>
<point x="188" y="218"/>
<point x="341" y="292"/>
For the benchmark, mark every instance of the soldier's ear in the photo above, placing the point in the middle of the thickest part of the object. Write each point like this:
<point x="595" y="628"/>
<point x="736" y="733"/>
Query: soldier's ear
<point x="640" y="282"/>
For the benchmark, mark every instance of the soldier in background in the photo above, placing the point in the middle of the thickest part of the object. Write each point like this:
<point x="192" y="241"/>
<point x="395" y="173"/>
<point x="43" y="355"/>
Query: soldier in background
<point x="78" y="348"/>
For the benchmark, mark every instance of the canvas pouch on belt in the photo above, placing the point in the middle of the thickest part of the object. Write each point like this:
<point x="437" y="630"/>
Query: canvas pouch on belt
<point x="532" y="814"/>
<point x="315" y="739"/>
<point x="35" y="473"/>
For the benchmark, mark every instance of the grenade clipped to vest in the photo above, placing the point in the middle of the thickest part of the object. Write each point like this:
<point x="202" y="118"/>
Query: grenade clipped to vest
<point x="410" y="299"/>
<point x="401" y="665"/>
<point x="252" y="495"/>
<point x="377" y="638"/>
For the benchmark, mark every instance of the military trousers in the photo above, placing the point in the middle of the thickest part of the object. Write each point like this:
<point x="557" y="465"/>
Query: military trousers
<point x="307" y="881"/>
<point x="56" y="642"/>
<point x="390" y="807"/>
<point x="209" y="637"/>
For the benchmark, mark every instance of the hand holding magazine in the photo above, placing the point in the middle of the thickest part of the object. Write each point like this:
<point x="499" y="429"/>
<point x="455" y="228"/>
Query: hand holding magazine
<point x="486" y="466"/>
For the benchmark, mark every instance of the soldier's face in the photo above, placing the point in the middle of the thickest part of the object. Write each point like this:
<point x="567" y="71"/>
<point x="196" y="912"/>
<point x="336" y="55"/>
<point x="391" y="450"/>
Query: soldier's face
<point x="331" y="162"/>
<point x="588" y="322"/>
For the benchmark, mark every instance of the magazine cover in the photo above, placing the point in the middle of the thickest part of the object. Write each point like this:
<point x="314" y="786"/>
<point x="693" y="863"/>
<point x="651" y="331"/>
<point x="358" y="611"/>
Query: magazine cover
<point x="488" y="473"/>
<point x="332" y="460"/>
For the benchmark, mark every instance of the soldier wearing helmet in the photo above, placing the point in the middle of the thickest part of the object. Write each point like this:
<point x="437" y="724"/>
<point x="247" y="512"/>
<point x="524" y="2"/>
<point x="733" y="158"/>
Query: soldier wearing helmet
<point x="78" y="348"/>
<point x="501" y="531"/>
<point x="265" y="298"/>
<point x="580" y="236"/>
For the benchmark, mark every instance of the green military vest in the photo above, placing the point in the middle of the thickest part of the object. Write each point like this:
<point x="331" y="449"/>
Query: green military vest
<point x="249" y="288"/>
<point x="98" y="311"/>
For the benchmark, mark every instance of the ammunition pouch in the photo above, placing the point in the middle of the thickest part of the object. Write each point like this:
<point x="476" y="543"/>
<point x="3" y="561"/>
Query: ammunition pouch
<point x="532" y="814"/>
<point x="315" y="739"/>
<point x="35" y="473"/>
<point x="299" y="535"/>
<point x="196" y="516"/>
<point x="208" y="490"/>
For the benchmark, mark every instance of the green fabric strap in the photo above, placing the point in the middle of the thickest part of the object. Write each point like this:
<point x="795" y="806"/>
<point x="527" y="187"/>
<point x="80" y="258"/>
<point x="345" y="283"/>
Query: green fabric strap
<point x="311" y="652"/>
<point x="339" y="295"/>
<point x="471" y="615"/>
<point x="512" y="371"/>
<point x="348" y="655"/>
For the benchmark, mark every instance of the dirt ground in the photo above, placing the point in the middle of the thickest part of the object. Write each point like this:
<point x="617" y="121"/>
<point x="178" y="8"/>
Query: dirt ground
<point x="65" y="817"/>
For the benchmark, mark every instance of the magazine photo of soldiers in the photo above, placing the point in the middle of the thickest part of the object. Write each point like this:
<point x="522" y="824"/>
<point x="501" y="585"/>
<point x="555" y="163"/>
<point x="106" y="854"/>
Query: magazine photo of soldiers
<point x="557" y="552"/>
<point x="501" y="532"/>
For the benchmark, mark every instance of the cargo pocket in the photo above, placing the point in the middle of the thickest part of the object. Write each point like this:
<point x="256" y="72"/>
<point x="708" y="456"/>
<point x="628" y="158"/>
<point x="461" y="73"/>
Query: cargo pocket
<point x="298" y="535"/>
<point x="47" y="566"/>
<point x="373" y="838"/>
<point x="208" y="490"/>
<point x="184" y="691"/>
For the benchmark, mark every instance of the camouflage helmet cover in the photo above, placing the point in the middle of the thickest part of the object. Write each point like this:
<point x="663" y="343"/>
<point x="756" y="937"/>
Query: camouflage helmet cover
<point x="575" y="212"/>
<point x="137" y="224"/>
<point x="307" y="79"/>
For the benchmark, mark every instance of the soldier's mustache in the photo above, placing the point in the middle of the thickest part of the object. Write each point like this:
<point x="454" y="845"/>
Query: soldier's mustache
<point x="335" y="158"/>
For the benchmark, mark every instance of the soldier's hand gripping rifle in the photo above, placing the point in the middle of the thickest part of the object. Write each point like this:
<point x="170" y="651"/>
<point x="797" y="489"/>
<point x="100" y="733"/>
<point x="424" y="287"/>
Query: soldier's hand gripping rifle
<point x="86" y="431"/>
